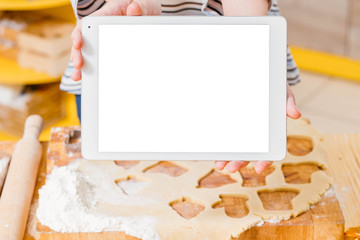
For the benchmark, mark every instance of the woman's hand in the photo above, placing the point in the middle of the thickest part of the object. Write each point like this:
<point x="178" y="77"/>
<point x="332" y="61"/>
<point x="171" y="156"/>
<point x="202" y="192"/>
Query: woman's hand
<point x="292" y="111"/>
<point x="112" y="8"/>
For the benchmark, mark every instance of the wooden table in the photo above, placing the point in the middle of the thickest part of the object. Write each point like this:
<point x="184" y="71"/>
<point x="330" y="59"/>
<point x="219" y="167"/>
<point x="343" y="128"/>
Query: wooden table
<point x="343" y="165"/>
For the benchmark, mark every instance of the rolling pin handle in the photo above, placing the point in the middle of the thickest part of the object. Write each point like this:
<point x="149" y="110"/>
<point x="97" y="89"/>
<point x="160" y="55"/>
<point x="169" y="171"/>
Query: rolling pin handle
<point x="33" y="127"/>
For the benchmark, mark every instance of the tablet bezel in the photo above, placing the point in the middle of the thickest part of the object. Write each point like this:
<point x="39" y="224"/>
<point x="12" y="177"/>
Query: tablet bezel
<point x="277" y="87"/>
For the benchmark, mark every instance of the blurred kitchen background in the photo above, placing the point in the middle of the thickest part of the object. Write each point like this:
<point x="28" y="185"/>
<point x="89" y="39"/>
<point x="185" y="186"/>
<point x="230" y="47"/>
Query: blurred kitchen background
<point x="325" y="95"/>
<point x="35" y="44"/>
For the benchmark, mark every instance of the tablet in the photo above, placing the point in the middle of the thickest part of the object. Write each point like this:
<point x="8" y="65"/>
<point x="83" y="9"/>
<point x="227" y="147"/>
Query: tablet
<point x="184" y="88"/>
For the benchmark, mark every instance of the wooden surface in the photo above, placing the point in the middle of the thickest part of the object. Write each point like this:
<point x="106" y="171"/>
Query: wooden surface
<point x="344" y="167"/>
<point x="323" y="221"/>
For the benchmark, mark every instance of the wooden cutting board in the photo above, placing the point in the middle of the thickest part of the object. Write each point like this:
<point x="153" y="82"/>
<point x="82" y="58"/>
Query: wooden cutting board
<point x="323" y="221"/>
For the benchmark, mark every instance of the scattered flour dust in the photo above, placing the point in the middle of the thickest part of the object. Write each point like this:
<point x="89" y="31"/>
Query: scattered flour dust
<point x="67" y="203"/>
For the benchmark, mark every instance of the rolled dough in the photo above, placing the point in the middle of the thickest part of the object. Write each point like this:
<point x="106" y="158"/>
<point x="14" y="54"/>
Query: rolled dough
<point x="156" y="198"/>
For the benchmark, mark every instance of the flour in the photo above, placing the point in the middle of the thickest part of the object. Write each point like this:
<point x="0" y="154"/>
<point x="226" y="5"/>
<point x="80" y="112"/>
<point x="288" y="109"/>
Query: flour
<point x="4" y="165"/>
<point x="68" y="203"/>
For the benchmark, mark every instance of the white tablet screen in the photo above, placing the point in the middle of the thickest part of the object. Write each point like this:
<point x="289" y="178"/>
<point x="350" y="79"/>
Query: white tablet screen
<point x="183" y="88"/>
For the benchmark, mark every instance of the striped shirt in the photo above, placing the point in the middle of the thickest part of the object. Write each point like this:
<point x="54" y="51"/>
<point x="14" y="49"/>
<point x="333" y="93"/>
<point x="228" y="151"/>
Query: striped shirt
<point x="83" y="8"/>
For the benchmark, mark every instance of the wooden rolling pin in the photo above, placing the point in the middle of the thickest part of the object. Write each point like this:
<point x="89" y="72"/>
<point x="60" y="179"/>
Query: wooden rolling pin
<point x="19" y="185"/>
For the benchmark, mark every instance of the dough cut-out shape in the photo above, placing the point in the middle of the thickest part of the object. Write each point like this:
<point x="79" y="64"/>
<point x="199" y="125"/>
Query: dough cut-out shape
<point x="126" y="164"/>
<point x="187" y="208"/>
<point x="166" y="167"/>
<point x="299" y="145"/>
<point x="169" y="182"/>
<point x="234" y="205"/>
<point x="252" y="179"/>
<point x="131" y="184"/>
<point x="215" y="179"/>
<point x="279" y="199"/>
<point x="299" y="173"/>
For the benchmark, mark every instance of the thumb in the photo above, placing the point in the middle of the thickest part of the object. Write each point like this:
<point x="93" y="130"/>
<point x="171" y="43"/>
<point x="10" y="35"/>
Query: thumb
<point x="143" y="8"/>
<point x="291" y="108"/>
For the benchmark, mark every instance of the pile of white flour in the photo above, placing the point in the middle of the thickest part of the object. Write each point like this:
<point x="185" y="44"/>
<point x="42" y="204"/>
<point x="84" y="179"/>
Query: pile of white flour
<point x="67" y="203"/>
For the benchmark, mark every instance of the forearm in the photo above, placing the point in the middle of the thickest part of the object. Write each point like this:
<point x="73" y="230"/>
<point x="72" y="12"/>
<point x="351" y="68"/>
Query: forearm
<point x="245" y="7"/>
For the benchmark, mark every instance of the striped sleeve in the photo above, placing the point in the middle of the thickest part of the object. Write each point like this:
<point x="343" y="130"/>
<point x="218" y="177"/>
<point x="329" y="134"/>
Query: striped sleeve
<point x="181" y="7"/>
<point x="214" y="8"/>
<point x="87" y="7"/>
<point x="293" y="73"/>
<point x="67" y="84"/>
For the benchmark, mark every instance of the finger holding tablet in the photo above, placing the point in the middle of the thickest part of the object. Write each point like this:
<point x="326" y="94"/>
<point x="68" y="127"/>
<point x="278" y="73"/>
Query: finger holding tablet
<point x="112" y="8"/>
